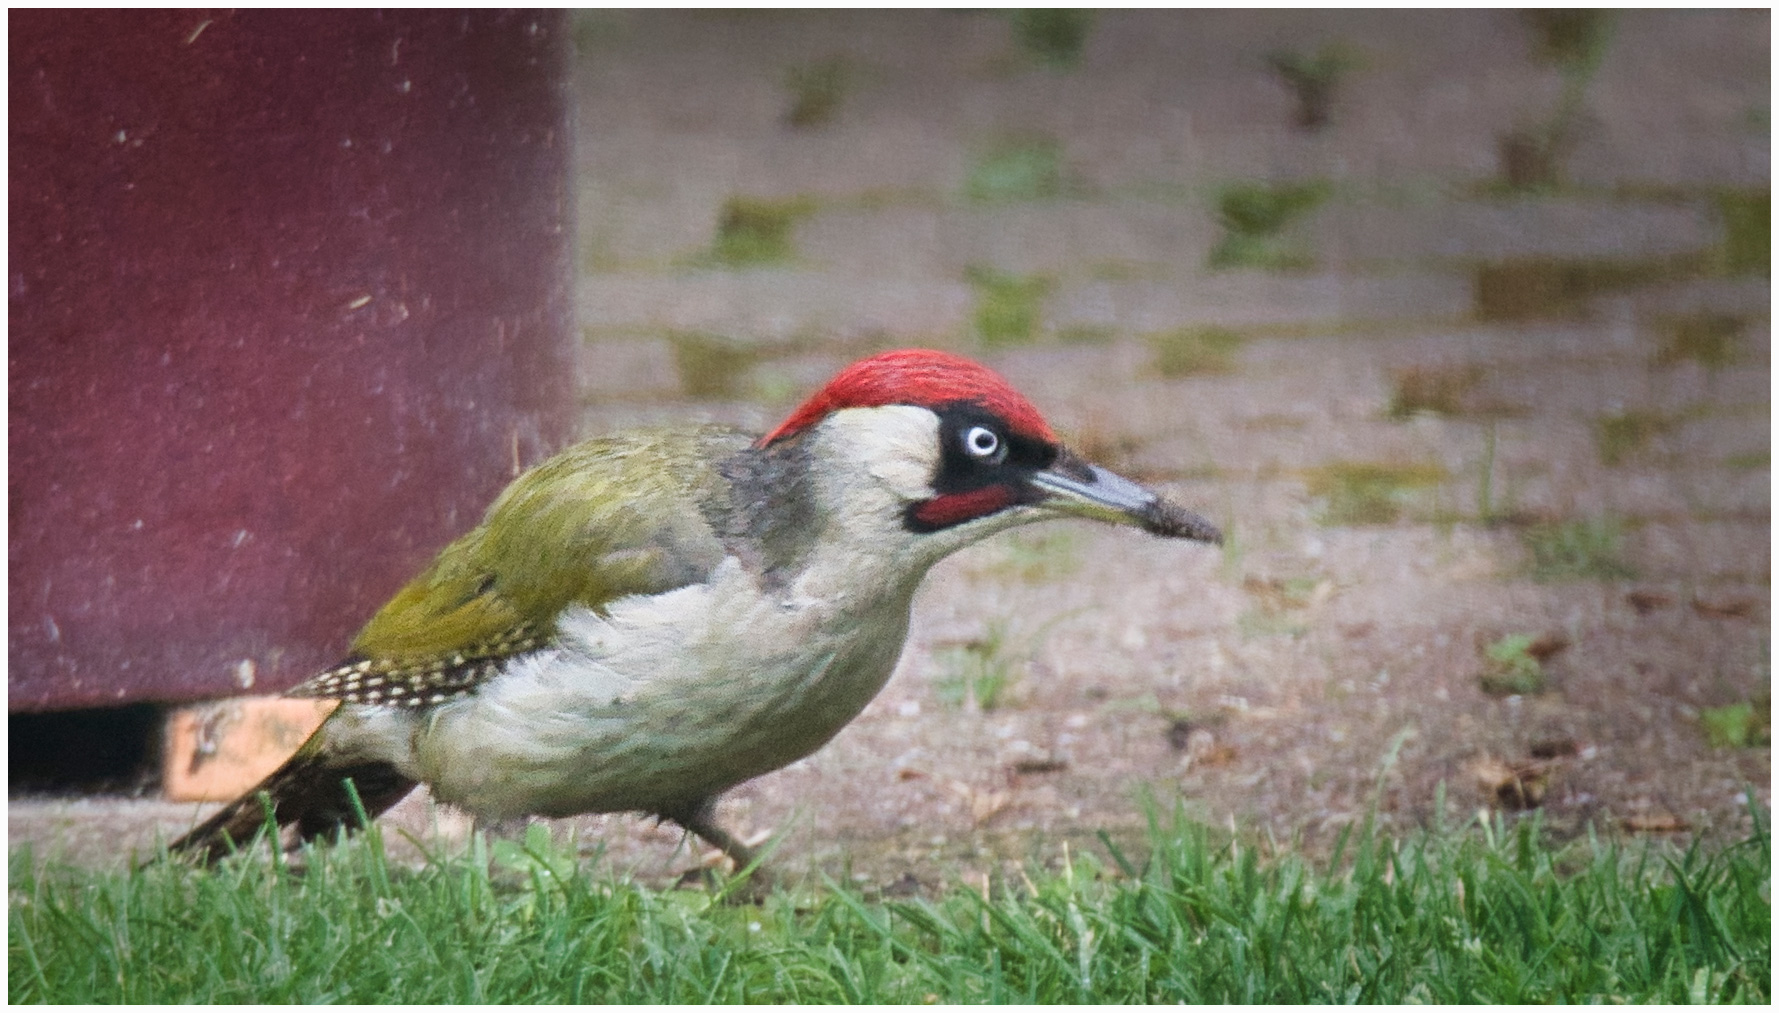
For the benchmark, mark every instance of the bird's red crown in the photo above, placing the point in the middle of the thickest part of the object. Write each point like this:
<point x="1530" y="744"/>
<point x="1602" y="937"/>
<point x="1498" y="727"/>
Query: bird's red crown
<point x="921" y="377"/>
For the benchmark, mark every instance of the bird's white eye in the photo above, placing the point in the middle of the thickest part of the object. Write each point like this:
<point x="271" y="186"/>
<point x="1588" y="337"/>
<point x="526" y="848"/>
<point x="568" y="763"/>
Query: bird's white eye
<point x="983" y="444"/>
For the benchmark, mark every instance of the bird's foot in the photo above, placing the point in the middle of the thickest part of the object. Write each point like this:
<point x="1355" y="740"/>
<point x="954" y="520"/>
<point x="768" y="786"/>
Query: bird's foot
<point x="751" y="887"/>
<point x="750" y="882"/>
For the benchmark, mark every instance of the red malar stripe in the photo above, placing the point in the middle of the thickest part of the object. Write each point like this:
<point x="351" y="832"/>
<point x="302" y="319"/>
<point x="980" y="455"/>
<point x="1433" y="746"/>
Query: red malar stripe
<point x="957" y="507"/>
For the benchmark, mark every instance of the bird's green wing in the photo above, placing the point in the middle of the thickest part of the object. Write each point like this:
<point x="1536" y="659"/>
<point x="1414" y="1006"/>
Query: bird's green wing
<point x="603" y="520"/>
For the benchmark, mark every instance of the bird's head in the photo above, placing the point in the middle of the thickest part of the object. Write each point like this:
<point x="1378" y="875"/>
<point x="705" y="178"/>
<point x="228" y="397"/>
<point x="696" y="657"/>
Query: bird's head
<point x="950" y="452"/>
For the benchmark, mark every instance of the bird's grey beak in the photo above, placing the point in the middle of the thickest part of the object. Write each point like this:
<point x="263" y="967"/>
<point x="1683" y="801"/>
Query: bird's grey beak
<point x="1072" y="486"/>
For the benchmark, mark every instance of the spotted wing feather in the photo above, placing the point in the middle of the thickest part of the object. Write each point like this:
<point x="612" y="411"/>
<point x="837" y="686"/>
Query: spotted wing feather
<point x="421" y="682"/>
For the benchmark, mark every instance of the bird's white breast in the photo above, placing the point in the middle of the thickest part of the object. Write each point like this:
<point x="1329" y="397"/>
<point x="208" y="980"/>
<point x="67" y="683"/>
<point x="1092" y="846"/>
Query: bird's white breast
<point x="664" y="700"/>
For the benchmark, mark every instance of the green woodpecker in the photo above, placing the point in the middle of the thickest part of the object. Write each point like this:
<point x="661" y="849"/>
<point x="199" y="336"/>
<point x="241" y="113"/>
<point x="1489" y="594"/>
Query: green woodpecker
<point x="649" y="619"/>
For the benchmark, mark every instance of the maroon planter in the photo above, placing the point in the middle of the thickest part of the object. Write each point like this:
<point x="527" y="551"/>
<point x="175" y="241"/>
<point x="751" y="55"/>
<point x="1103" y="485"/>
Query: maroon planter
<point x="289" y="302"/>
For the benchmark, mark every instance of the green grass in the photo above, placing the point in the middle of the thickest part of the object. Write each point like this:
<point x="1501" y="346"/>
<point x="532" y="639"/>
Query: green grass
<point x="980" y="674"/>
<point x="1488" y="510"/>
<point x="1512" y="669"/>
<point x="1582" y="549"/>
<point x="1738" y="725"/>
<point x="1038" y="555"/>
<point x="1484" y="915"/>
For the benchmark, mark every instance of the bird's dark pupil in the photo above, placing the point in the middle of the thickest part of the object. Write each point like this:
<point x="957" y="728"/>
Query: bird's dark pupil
<point x="982" y="441"/>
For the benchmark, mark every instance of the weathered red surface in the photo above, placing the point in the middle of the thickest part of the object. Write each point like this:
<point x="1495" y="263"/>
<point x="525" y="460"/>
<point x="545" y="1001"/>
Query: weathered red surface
<point x="288" y="303"/>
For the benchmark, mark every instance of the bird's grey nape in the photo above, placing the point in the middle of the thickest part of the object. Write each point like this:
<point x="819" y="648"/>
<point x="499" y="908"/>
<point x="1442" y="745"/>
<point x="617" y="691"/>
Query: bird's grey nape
<point x="771" y="519"/>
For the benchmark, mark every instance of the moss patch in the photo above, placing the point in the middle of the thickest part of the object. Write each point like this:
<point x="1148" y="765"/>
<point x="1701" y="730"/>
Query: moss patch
<point x="1532" y="287"/>
<point x="1568" y="36"/>
<point x="1027" y="168"/>
<point x="1712" y="340"/>
<point x="1052" y="36"/>
<point x="711" y="366"/>
<point x="816" y="91"/>
<point x="1532" y="155"/>
<point x="1356" y="493"/>
<point x="753" y="231"/>
<point x="1009" y="307"/>
<point x="1086" y="334"/>
<point x="1623" y="436"/>
<point x="1194" y="351"/>
<point x="1254" y="217"/>
<point x="1435" y="390"/>
<point x="1748" y="230"/>
<point x="1313" y="80"/>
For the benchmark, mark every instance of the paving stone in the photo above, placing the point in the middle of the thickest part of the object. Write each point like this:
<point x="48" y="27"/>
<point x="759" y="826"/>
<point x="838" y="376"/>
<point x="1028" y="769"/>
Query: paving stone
<point x="1751" y="297"/>
<point x="1738" y="550"/>
<point x="601" y="417"/>
<point x="627" y="368"/>
<point x="1467" y="353"/>
<point x="1546" y="228"/>
<point x="1678" y="99"/>
<point x="1056" y="238"/>
<point x="1722" y="438"/>
<point x="1591" y="391"/>
<point x="623" y="233"/>
<point x="1257" y="299"/>
<point x="773" y="303"/>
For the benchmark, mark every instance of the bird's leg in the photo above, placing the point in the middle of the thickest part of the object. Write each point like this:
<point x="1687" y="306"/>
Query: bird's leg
<point x="511" y="828"/>
<point x="700" y="819"/>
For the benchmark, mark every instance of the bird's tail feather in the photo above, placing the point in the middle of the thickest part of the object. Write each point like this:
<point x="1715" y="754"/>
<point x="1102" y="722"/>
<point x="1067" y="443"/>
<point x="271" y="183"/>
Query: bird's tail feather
<point x="308" y="792"/>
